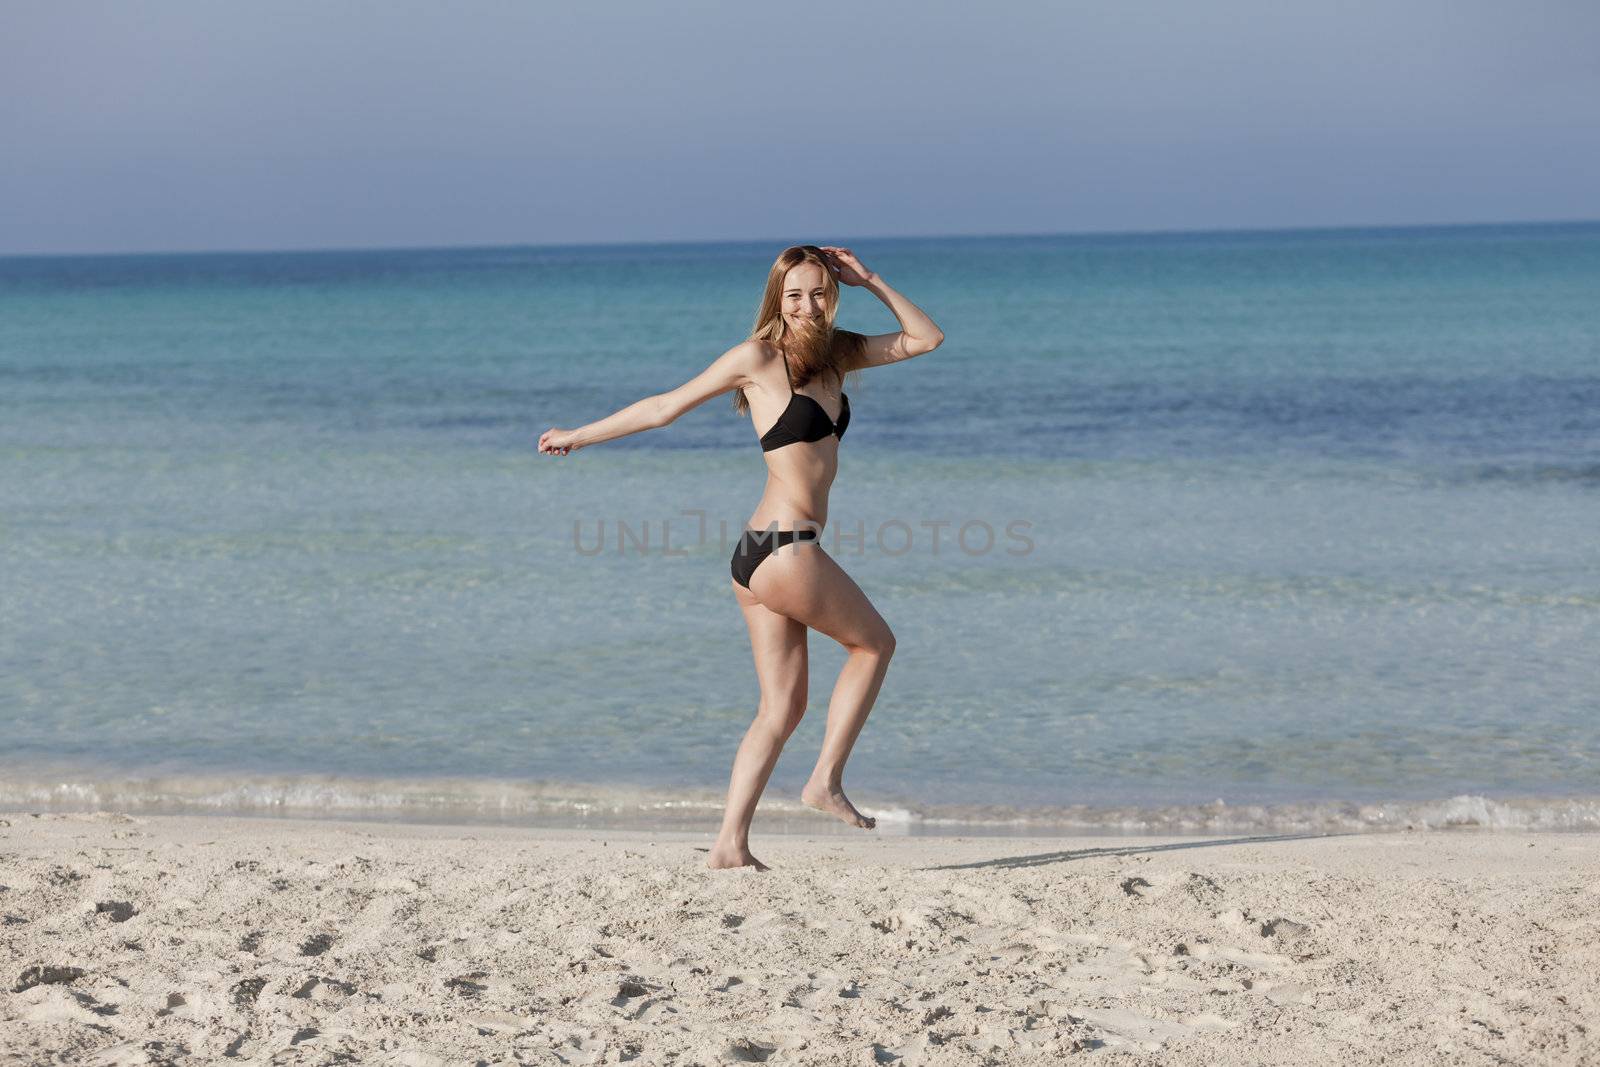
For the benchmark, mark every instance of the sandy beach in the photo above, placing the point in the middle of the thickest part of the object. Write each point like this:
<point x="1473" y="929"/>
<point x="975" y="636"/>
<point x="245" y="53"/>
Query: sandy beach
<point x="185" y="939"/>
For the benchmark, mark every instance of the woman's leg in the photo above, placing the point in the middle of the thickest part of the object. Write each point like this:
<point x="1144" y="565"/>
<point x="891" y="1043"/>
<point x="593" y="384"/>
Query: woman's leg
<point x="779" y="647"/>
<point x="806" y="585"/>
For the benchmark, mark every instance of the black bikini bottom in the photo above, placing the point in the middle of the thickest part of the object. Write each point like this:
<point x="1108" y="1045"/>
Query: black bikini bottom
<point x="757" y="545"/>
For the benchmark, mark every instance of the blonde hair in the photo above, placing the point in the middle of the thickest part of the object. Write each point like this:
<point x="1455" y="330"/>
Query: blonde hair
<point x="824" y="350"/>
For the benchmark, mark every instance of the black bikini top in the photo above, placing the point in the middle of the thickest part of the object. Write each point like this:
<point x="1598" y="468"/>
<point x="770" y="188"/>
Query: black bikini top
<point x="800" y="423"/>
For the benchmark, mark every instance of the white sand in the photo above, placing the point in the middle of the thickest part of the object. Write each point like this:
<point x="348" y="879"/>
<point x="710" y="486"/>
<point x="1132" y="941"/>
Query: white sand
<point x="174" y="939"/>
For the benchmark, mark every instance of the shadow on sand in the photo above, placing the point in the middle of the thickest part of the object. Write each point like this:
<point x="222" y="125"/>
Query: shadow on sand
<point x="1042" y="858"/>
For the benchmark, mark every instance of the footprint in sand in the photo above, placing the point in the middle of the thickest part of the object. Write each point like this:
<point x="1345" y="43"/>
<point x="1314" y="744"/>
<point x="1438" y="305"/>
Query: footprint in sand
<point x="745" y="1051"/>
<point x="309" y="990"/>
<point x="641" y="1001"/>
<point x="628" y="989"/>
<point x="246" y="991"/>
<point x="316" y="945"/>
<point x="1284" y="931"/>
<point x="119" y="911"/>
<point x="465" y="985"/>
<point x="43" y="974"/>
<point x="1120" y="1026"/>
<point x="1279" y="992"/>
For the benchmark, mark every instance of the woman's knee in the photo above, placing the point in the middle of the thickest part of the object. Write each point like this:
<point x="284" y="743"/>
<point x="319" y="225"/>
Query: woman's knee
<point x="784" y="714"/>
<point x="880" y="643"/>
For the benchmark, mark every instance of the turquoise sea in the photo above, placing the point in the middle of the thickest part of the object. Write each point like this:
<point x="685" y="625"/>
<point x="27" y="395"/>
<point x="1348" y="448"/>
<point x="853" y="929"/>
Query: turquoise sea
<point x="1286" y="530"/>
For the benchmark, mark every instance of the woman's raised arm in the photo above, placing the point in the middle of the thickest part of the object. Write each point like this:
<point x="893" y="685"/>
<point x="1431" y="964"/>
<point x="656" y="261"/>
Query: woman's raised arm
<point x="917" y="334"/>
<point x="733" y="369"/>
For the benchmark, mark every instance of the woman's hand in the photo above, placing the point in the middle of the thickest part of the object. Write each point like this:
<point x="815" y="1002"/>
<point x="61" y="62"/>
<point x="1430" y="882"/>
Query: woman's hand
<point x="554" y="442"/>
<point x="846" y="267"/>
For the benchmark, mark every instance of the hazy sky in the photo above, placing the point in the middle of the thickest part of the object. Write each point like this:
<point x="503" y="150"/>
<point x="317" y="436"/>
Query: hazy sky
<point x="214" y="125"/>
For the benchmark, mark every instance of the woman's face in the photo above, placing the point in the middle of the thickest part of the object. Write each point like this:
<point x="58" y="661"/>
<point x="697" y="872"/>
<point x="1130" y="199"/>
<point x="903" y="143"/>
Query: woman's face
<point x="804" y="294"/>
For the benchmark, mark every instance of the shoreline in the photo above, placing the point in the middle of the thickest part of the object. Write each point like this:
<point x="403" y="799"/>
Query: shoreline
<point x="224" y="937"/>
<point x="538" y="804"/>
<point x="775" y="825"/>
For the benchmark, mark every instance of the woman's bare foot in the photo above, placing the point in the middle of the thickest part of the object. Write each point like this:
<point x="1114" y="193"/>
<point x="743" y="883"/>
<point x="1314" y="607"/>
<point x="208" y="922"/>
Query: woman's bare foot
<point x="834" y="803"/>
<point x="725" y="856"/>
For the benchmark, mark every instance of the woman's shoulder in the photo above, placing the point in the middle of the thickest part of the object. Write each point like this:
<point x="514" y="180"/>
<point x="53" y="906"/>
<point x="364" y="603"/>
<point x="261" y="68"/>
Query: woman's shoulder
<point x="760" y="346"/>
<point x="758" y="358"/>
<point x="761" y="352"/>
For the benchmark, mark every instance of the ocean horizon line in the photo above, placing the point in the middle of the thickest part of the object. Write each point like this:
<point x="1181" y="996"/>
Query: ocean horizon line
<point x="1111" y="234"/>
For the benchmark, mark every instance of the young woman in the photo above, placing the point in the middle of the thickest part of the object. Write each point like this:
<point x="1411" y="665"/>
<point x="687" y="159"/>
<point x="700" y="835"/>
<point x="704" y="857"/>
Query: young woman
<point x="790" y="375"/>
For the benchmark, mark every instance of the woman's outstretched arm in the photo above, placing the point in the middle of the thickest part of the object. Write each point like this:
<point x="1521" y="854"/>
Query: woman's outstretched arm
<point x="733" y="369"/>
